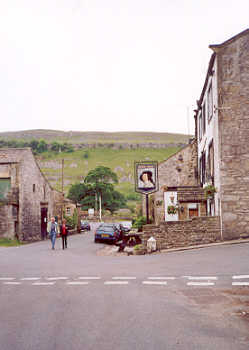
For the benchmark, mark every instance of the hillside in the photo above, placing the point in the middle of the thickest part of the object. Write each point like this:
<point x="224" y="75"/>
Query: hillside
<point x="78" y="163"/>
<point x="117" y="150"/>
<point x="96" y="137"/>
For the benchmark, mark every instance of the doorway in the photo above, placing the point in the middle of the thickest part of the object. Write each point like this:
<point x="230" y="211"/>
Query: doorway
<point x="44" y="213"/>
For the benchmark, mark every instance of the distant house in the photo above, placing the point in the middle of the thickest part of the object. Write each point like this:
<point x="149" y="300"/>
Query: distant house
<point x="27" y="200"/>
<point x="178" y="187"/>
<point x="222" y="134"/>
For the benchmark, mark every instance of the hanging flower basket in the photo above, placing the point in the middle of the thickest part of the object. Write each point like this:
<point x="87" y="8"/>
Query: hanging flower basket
<point x="171" y="210"/>
<point x="209" y="191"/>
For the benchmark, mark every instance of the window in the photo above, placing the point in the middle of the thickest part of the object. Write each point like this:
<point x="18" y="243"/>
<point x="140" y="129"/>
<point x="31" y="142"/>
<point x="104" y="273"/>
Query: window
<point x="204" y="118"/>
<point x="210" y="102"/>
<point x="34" y="188"/>
<point x="68" y="211"/>
<point x="202" y="165"/>
<point x="200" y="126"/>
<point x="5" y="186"/>
<point x="211" y="161"/>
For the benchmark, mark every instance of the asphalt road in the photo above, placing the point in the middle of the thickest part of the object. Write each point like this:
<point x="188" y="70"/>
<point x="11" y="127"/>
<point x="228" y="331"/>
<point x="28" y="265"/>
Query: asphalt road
<point x="78" y="299"/>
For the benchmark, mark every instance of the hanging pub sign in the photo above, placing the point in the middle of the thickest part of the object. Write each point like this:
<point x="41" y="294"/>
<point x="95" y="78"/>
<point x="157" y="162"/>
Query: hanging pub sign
<point x="146" y="177"/>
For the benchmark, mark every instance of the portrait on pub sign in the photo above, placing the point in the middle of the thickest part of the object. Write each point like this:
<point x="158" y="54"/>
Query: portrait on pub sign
<point x="146" y="177"/>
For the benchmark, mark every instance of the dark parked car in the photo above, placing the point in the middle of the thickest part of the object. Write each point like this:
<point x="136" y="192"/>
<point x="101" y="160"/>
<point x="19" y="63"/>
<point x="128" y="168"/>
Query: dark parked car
<point x="107" y="233"/>
<point x="126" y="226"/>
<point x="85" y="226"/>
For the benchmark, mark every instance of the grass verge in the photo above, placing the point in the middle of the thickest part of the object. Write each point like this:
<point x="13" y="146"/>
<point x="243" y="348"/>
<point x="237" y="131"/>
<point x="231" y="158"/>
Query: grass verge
<point x="7" y="242"/>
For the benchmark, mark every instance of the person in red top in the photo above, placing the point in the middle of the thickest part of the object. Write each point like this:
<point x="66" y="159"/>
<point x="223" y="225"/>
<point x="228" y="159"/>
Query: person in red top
<point x="64" y="233"/>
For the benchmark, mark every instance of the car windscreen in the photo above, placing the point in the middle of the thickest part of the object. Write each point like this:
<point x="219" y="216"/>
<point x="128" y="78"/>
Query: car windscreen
<point x="106" y="229"/>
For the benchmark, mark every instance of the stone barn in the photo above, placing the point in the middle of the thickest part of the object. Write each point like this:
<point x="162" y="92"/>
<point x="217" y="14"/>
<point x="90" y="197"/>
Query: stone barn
<point x="26" y="198"/>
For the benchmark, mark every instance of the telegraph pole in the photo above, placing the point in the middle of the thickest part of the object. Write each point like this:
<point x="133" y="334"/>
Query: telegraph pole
<point x="62" y="187"/>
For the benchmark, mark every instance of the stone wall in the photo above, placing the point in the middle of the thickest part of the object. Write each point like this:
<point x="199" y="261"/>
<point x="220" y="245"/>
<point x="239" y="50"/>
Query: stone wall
<point x="7" y="224"/>
<point x="175" y="234"/>
<point x="233" y="78"/>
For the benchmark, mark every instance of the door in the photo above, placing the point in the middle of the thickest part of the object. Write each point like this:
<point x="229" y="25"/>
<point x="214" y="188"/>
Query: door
<point x="44" y="213"/>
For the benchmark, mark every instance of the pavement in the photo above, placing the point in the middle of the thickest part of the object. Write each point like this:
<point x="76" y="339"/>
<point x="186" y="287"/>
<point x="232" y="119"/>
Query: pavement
<point x="234" y="241"/>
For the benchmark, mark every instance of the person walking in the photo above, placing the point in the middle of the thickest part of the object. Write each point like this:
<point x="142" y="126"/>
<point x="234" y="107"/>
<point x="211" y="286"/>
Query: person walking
<point x="64" y="233"/>
<point x="53" y="230"/>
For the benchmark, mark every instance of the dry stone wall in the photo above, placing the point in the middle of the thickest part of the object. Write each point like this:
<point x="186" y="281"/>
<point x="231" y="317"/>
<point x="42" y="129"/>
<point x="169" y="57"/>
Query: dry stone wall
<point x="175" y="234"/>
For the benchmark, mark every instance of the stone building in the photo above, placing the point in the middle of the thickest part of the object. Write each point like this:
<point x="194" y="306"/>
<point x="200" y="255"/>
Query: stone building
<point x="222" y="133"/>
<point x="178" y="186"/>
<point x="26" y="198"/>
<point x="219" y="157"/>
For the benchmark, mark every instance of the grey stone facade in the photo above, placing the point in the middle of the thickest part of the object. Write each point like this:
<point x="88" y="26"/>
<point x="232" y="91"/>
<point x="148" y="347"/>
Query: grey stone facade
<point x="28" y="196"/>
<point x="222" y="121"/>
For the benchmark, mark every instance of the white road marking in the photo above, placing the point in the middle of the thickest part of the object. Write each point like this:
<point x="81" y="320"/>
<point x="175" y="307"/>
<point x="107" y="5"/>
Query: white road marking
<point x="240" y="276"/>
<point x="116" y="282"/>
<point x="77" y="283"/>
<point x="56" y="278"/>
<point x="124" y="278"/>
<point x="7" y="278"/>
<point x="240" y="283"/>
<point x="30" y="278"/>
<point x="161" y="278"/>
<point x="200" y="283"/>
<point x="89" y="278"/>
<point x="159" y="283"/>
<point x="11" y="282"/>
<point x="43" y="283"/>
<point x="202" y="278"/>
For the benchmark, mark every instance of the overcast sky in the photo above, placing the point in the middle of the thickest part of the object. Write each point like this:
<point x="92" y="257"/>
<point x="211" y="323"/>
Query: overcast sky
<point x="109" y="65"/>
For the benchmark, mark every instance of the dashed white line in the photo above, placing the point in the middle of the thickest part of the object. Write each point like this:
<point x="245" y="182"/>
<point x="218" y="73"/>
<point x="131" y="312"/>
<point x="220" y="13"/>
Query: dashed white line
<point x="11" y="283"/>
<point x="159" y="283"/>
<point x="30" y="278"/>
<point x="161" y="278"/>
<point x="56" y="278"/>
<point x="209" y="278"/>
<point x="89" y="278"/>
<point x="124" y="278"/>
<point x="240" y="283"/>
<point x="77" y="283"/>
<point x="116" y="282"/>
<point x="200" y="283"/>
<point x="240" y="276"/>
<point x="43" y="283"/>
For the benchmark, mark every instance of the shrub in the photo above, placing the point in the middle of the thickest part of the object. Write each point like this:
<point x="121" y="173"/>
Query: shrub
<point x="139" y="222"/>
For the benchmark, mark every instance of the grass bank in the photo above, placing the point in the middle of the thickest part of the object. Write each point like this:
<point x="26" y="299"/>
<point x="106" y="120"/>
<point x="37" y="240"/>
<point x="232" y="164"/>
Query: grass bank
<point x="7" y="242"/>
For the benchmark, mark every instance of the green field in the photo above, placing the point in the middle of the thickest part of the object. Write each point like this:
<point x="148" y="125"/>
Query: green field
<point x="77" y="164"/>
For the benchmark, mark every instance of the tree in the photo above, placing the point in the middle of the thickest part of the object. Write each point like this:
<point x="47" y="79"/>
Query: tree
<point x="98" y="183"/>
<point x="55" y="146"/>
<point x="101" y="174"/>
<point x="34" y="145"/>
<point x="101" y="179"/>
<point x="42" y="146"/>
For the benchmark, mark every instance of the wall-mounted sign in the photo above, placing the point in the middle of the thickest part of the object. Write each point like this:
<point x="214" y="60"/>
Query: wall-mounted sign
<point x="146" y="177"/>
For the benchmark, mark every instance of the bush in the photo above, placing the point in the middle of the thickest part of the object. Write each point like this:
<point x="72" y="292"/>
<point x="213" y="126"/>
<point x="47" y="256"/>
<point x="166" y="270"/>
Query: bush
<point x="139" y="222"/>
<point x="133" y="196"/>
<point x="86" y="154"/>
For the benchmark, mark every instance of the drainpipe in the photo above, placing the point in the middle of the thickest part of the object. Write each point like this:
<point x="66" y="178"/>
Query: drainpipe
<point x="221" y="229"/>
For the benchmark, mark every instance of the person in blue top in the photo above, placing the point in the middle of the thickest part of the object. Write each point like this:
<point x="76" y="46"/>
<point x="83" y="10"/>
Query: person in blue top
<point x="53" y="230"/>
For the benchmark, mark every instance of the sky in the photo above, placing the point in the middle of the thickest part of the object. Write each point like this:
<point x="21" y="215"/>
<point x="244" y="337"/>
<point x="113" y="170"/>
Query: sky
<point x="109" y="65"/>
